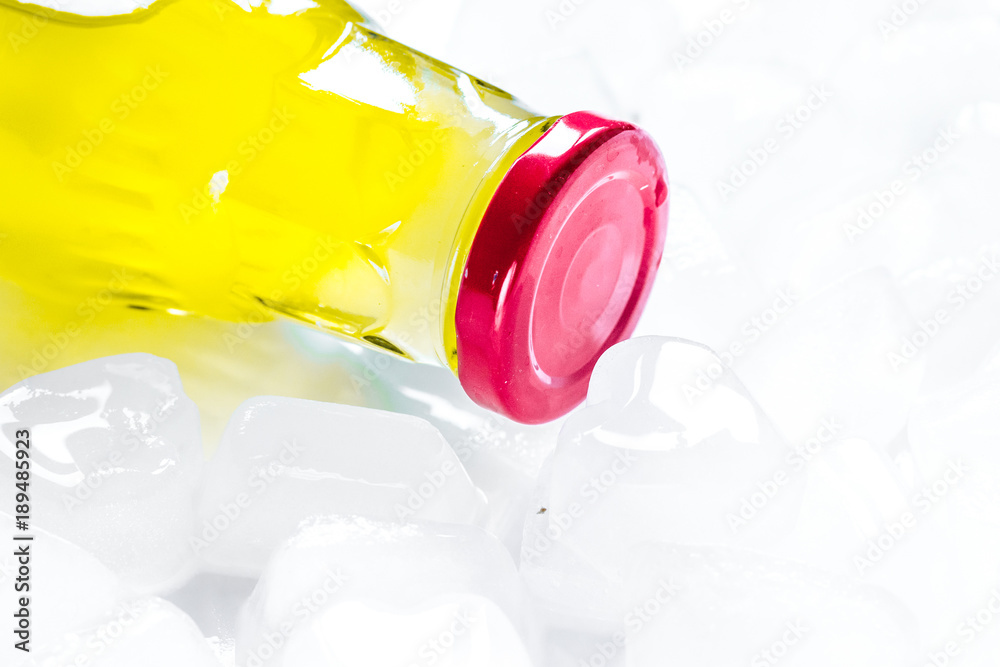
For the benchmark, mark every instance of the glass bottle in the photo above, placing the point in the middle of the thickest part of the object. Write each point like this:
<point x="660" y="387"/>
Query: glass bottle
<point x="247" y="160"/>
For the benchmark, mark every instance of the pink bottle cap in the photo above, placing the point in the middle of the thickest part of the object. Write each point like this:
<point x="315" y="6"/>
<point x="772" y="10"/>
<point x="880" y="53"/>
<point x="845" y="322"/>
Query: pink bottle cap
<point x="561" y="266"/>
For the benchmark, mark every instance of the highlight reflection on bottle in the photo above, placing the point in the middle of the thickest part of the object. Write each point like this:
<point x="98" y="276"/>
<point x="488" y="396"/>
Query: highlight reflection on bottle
<point x="234" y="161"/>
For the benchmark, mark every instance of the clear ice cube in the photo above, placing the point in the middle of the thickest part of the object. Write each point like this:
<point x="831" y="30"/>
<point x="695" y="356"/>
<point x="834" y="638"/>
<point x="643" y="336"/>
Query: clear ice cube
<point x="149" y="632"/>
<point x="503" y="458"/>
<point x="657" y="454"/>
<point x="706" y="607"/>
<point x="115" y="460"/>
<point x="285" y="460"/>
<point x="954" y="436"/>
<point x="836" y="355"/>
<point x="361" y="592"/>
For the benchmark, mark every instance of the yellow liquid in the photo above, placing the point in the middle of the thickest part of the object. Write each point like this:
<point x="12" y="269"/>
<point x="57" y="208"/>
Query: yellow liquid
<point x="207" y="157"/>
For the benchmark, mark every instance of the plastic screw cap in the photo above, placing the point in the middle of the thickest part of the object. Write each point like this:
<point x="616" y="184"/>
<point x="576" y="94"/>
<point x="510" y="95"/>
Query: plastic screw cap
<point x="561" y="266"/>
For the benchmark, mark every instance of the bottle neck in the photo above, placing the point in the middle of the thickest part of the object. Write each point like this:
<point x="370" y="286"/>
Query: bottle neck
<point x="508" y="147"/>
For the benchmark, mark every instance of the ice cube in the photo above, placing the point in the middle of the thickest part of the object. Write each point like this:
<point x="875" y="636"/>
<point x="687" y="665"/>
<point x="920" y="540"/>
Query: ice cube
<point x="958" y="327"/>
<point x="68" y="589"/>
<point x="727" y="113"/>
<point x="672" y="454"/>
<point x="949" y="273"/>
<point x="895" y="222"/>
<point x="503" y="458"/>
<point x="853" y="492"/>
<point x="452" y="631"/>
<point x="954" y="437"/>
<point x="360" y="592"/>
<point x="924" y="524"/>
<point x="670" y="447"/>
<point x="284" y="460"/>
<point x="706" y="607"/>
<point x="115" y="458"/>
<point x="840" y="354"/>
<point x="906" y="58"/>
<point x="863" y="518"/>
<point x="149" y="632"/>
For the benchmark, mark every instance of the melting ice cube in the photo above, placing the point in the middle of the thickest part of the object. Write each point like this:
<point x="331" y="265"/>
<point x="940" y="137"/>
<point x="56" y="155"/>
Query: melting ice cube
<point x="655" y="456"/>
<point x="115" y="459"/>
<point x="361" y="592"/>
<point x="503" y="458"/>
<point x="706" y="607"/>
<point x="149" y="632"/>
<point x="955" y="436"/>
<point x="842" y="354"/>
<point x="284" y="460"/>
<point x="654" y="509"/>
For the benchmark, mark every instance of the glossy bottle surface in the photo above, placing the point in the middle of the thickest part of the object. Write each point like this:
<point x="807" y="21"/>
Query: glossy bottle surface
<point x="214" y="158"/>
